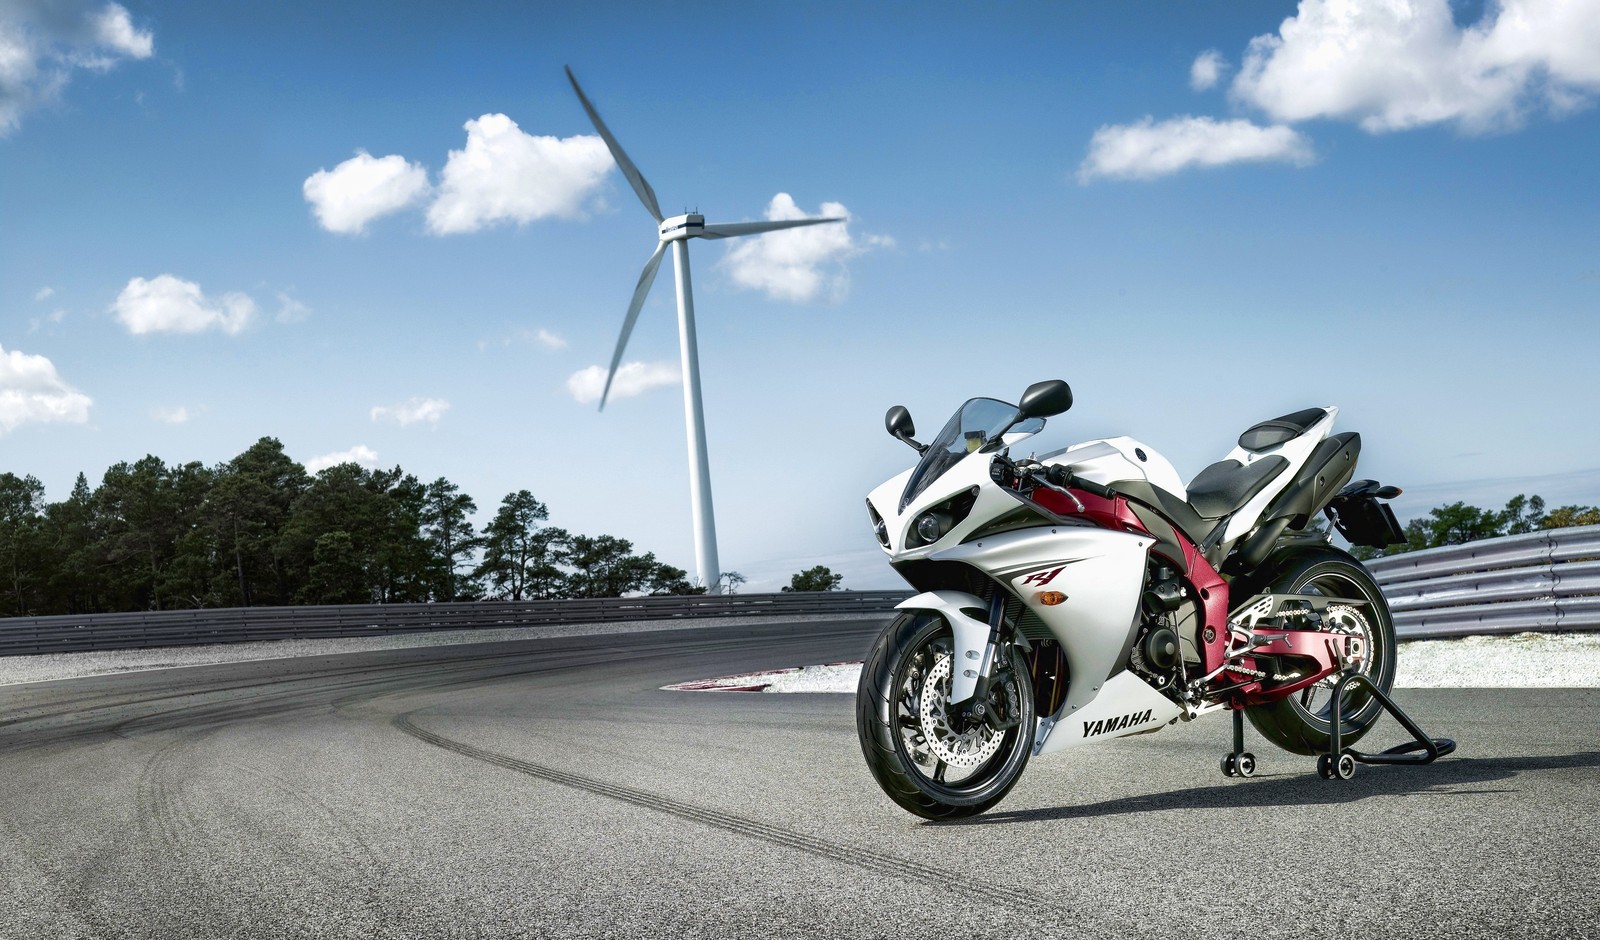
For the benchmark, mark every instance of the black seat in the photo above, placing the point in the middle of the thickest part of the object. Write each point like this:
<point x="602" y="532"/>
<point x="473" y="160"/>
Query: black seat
<point x="1227" y="484"/>
<point x="1269" y="434"/>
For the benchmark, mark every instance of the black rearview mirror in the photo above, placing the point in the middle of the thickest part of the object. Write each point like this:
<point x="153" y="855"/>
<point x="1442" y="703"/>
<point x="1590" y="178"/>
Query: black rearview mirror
<point x="898" y="423"/>
<point x="1044" y="399"/>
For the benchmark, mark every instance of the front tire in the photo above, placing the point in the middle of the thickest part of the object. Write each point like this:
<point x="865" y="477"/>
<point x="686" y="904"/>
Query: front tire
<point x="1302" y="722"/>
<point x="912" y="744"/>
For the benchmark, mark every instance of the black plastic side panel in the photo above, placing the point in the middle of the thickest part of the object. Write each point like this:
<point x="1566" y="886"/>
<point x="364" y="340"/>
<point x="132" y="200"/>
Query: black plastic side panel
<point x="1168" y="505"/>
<point x="1330" y="468"/>
<point x="1256" y="547"/>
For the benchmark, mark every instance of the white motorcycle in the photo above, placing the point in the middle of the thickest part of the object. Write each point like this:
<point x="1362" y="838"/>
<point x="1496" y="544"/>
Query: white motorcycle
<point x="1086" y="594"/>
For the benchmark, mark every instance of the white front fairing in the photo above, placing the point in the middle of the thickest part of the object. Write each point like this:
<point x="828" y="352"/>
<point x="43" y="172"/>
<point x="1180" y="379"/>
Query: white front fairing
<point x="972" y="471"/>
<point x="1099" y="571"/>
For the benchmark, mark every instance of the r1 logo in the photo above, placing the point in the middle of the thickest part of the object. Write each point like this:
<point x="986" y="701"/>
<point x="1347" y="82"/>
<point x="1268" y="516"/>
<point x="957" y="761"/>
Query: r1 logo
<point x="1042" y="577"/>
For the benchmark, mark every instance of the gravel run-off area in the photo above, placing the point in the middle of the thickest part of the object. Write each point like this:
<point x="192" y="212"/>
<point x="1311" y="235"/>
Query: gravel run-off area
<point x="1523" y="661"/>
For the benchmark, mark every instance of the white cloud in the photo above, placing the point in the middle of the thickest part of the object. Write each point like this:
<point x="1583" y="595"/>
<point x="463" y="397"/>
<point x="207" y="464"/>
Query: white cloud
<point x="43" y="43"/>
<point x="506" y="175"/>
<point x="114" y="29"/>
<point x="31" y="392"/>
<point x="45" y="293"/>
<point x="166" y="304"/>
<point x="291" y="310"/>
<point x="35" y="324"/>
<point x="412" y="411"/>
<point x="1146" y="149"/>
<point x="364" y="188"/>
<point x="1207" y="69"/>
<point x="543" y="338"/>
<point x="797" y="264"/>
<point x="633" y="378"/>
<point x="178" y="415"/>
<point x="359" y="454"/>
<point x="1399" y="64"/>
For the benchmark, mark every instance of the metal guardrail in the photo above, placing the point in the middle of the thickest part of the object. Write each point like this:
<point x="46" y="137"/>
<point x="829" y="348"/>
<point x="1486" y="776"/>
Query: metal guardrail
<point x="1543" y="581"/>
<point x="143" y="629"/>
<point x="1546" y="581"/>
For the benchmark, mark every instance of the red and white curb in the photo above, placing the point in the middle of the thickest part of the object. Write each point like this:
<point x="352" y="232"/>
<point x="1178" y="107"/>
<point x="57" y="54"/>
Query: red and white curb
<point x="828" y="677"/>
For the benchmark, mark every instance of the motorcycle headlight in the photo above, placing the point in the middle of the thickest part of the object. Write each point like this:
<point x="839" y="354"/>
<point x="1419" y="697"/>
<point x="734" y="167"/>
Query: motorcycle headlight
<point x="936" y="522"/>
<point x="878" y="527"/>
<point x="932" y="525"/>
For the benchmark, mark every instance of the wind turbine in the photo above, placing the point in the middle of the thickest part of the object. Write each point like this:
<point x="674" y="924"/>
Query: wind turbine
<point x="676" y="232"/>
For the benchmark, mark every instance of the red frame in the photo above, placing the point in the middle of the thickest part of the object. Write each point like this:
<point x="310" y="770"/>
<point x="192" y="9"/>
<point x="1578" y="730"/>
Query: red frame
<point x="1323" y="648"/>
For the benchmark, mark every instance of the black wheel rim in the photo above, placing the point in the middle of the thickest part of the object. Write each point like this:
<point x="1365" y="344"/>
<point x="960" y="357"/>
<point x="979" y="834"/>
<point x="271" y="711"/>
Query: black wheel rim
<point x="919" y="753"/>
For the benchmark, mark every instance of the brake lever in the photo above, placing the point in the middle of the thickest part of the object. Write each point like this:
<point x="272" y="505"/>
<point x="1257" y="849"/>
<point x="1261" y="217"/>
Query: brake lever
<point x="1043" y="478"/>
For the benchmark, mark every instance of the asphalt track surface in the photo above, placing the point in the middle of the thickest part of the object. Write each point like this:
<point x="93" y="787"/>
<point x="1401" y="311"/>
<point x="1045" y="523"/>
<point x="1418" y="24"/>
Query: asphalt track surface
<point x="548" y="788"/>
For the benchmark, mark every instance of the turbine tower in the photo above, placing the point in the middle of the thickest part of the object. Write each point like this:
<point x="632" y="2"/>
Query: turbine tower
<point x="676" y="232"/>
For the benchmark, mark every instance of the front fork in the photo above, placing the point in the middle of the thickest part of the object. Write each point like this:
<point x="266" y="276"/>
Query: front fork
<point x="976" y="648"/>
<point x="976" y="643"/>
<point x="977" y="707"/>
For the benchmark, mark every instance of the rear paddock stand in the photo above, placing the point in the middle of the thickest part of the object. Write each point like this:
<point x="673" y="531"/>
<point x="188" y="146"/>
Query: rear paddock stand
<point x="1340" y="761"/>
<point x="1239" y="763"/>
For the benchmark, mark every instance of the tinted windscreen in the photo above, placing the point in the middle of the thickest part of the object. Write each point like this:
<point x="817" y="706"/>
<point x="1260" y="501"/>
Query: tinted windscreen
<point x="973" y="425"/>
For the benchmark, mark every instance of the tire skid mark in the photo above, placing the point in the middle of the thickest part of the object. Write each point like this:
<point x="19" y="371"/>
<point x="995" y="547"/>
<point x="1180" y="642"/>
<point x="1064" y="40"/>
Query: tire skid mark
<point x="875" y="862"/>
<point x="193" y="825"/>
<point x="359" y="871"/>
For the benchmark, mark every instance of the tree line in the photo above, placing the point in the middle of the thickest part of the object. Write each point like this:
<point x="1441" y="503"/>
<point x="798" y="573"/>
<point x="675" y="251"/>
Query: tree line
<point x="258" y="530"/>
<point x="1459" y="523"/>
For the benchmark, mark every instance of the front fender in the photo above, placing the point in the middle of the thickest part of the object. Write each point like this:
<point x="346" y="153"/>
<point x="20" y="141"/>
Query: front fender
<point x="971" y="647"/>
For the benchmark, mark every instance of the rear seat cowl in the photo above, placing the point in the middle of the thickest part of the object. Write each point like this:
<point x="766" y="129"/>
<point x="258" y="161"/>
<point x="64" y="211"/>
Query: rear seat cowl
<point x="1269" y="434"/>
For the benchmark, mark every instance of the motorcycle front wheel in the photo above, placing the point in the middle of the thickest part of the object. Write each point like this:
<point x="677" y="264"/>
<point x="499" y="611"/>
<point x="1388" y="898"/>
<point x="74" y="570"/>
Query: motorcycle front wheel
<point x="929" y="759"/>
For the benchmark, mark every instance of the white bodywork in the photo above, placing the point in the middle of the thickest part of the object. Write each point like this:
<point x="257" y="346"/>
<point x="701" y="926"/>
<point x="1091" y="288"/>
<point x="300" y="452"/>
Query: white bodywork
<point x="1296" y="450"/>
<point x="1116" y="459"/>
<point x="1099" y="571"/>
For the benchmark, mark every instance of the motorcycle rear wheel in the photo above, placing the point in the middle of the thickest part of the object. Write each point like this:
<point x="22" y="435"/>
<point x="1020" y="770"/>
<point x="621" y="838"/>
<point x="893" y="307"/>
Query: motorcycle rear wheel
<point x="906" y="732"/>
<point x="1302" y="723"/>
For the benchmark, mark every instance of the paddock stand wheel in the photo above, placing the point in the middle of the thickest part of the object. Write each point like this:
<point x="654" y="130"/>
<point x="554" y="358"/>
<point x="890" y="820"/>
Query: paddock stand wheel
<point x="1240" y="763"/>
<point x="1342" y="769"/>
<point x="1340" y="762"/>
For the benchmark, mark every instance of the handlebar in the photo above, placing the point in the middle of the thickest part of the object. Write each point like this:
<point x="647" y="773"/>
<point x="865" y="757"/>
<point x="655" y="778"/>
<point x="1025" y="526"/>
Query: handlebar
<point x="1056" y="477"/>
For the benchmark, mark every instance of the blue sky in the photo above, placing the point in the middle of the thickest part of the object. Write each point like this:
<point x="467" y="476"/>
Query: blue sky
<point x="1200" y="215"/>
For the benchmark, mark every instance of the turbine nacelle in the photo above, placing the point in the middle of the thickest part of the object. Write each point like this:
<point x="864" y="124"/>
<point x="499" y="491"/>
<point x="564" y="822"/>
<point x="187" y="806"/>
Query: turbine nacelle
<point x="680" y="227"/>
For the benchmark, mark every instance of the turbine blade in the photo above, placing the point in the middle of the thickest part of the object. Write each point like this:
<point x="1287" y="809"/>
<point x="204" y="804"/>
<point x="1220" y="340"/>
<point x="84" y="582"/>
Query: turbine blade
<point x="735" y="229"/>
<point x="646" y="278"/>
<point x="635" y="179"/>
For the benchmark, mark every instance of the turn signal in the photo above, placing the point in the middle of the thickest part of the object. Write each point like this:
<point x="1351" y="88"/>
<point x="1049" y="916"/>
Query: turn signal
<point x="1050" y="598"/>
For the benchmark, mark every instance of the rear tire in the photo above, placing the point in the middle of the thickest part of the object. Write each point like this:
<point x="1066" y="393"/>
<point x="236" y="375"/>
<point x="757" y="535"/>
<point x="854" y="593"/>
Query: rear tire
<point x="896" y="735"/>
<point x="1301" y="723"/>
